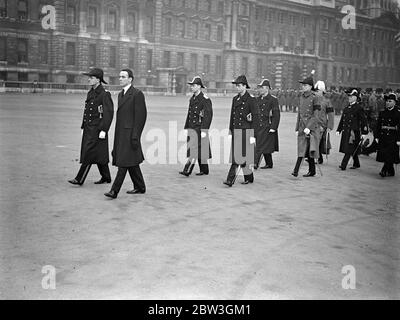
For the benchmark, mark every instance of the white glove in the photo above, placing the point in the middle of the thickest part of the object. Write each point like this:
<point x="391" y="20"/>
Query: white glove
<point x="102" y="135"/>
<point x="338" y="133"/>
<point x="81" y="132"/>
<point x="377" y="140"/>
<point x="364" y="136"/>
<point x="296" y="133"/>
<point x="328" y="130"/>
<point x="307" y="131"/>
<point x="252" y="140"/>
<point x="272" y="130"/>
<point x="203" y="135"/>
<point x="398" y="143"/>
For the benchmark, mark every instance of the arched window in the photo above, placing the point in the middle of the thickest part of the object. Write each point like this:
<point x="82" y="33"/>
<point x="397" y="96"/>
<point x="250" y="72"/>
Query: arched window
<point x="22" y="9"/>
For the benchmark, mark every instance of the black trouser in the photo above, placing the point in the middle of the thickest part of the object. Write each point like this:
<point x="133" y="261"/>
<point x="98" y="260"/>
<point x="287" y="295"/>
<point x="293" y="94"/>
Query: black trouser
<point x="248" y="174"/>
<point x="190" y="165"/>
<point x="267" y="157"/>
<point x="311" y="165"/>
<point x="136" y="176"/>
<point x="388" y="168"/>
<point x="346" y="158"/>
<point x="84" y="170"/>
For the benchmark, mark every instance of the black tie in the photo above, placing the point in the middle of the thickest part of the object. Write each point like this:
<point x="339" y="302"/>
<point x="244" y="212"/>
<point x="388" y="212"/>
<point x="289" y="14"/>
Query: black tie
<point x="122" y="93"/>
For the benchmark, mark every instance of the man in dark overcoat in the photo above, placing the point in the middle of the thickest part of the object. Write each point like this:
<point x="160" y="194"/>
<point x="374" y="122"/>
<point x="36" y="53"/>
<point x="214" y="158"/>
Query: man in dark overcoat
<point x="387" y="136"/>
<point x="308" y="128"/>
<point x="243" y="121"/>
<point x="127" y="153"/>
<point x="97" y="118"/>
<point x="353" y="127"/>
<point x="268" y="122"/>
<point x="198" y="123"/>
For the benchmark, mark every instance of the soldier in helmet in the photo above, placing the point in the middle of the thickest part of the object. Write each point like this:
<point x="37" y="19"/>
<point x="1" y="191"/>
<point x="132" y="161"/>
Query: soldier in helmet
<point x="387" y="136"/>
<point x="198" y="123"/>
<point x="352" y="127"/>
<point x="243" y="121"/>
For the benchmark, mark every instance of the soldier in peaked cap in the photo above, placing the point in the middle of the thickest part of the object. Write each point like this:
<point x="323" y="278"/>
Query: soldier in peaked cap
<point x="267" y="129"/>
<point x="387" y="136"/>
<point x="97" y="118"/>
<point x="198" y="123"/>
<point x="352" y="127"/>
<point x="308" y="128"/>
<point x="243" y="121"/>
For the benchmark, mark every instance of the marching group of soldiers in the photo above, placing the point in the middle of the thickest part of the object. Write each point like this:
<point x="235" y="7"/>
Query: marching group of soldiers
<point x="253" y="128"/>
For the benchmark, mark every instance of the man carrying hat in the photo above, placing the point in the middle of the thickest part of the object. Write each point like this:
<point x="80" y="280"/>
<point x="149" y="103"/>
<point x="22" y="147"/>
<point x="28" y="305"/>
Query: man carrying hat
<point x="267" y="129"/>
<point x="97" y="118"/>
<point x="387" y="136"/>
<point x="353" y="123"/>
<point x="308" y="128"/>
<point x="198" y="123"/>
<point x="243" y="121"/>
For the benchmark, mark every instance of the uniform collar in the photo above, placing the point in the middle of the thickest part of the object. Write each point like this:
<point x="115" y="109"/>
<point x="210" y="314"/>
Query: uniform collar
<point x="98" y="89"/>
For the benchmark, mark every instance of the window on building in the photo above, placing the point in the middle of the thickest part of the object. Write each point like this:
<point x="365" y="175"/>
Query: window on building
<point x="302" y="44"/>
<point x="343" y="50"/>
<point x="342" y="74"/>
<point x="150" y="25"/>
<point x="206" y="63"/>
<point x="267" y="39"/>
<point x="196" y="5"/>
<point x="112" y="19"/>
<point x="181" y="28"/>
<point x="304" y="21"/>
<point x="22" y="9"/>
<point x="334" y="74"/>
<point x="180" y="59"/>
<point x="22" y="50"/>
<point x="243" y="9"/>
<point x="92" y="16"/>
<point x="168" y="26"/>
<point x="113" y="57"/>
<point x="149" y="59"/>
<point x="220" y="8"/>
<point x="3" y="75"/>
<point x="335" y="49"/>
<point x="92" y="55"/>
<point x="270" y="16"/>
<point x="244" y="65"/>
<point x="259" y="67"/>
<point x="366" y="53"/>
<point x="218" y="65"/>
<point x="3" y="49"/>
<point x="280" y="40"/>
<point x="243" y="34"/>
<point x="207" y="33"/>
<point x="131" y="25"/>
<point x="70" y="78"/>
<point x="323" y="49"/>
<point x="281" y="17"/>
<point x="71" y="14"/>
<point x="43" y="77"/>
<point x="70" y="54"/>
<point x="220" y="33"/>
<point x="208" y="5"/>
<point x="195" y="30"/>
<point x="166" y="59"/>
<point x="351" y="51"/>
<point x="325" y="23"/>
<point x="356" y="75"/>
<point x="43" y="51"/>
<point x="325" y="72"/>
<point x="291" y="43"/>
<point x="365" y="74"/>
<point x="193" y="62"/>
<point x="3" y="8"/>
<point x="132" y="57"/>
<point x="23" y="76"/>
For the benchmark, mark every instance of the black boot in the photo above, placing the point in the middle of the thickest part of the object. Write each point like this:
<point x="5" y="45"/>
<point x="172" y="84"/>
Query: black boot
<point x="311" y="168"/>
<point x="186" y="169"/>
<point x="295" y="172"/>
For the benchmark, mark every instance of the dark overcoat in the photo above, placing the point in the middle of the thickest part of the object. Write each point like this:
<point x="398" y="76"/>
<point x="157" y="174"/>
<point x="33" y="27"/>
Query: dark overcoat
<point x="198" y="120"/>
<point x="97" y="116"/>
<point x="131" y="118"/>
<point x="352" y="124"/>
<point x="268" y="118"/>
<point x="388" y="133"/>
<point x="242" y="124"/>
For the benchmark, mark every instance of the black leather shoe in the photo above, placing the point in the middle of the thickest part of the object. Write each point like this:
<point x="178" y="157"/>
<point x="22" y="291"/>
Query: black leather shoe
<point x="294" y="174"/>
<point x="382" y="174"/>
<point x="201" y="174"/>
<point x="247" y="182"/>
<point x="309" y="174"/>
<point x="228" y="183"/>
<point x="354" y="167"/>
<point x="266" y="167"/>
<point x="102" y="180"/>
<point x="255" y="167"/>
<point x="342" y="168"/>
<point x="184" y="173"/>
<point x="136" y="191"/>
<point x="111" y="194"/>
<point x="74" y="181"/>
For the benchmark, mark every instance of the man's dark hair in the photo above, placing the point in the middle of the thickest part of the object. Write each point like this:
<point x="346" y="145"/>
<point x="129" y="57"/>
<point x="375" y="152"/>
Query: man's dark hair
<point x="130" y="73"/>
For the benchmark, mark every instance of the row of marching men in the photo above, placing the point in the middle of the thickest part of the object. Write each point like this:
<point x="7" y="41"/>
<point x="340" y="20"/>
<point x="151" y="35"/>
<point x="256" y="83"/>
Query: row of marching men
<point x="254" y="124"/>
<point x="253" y="127"/>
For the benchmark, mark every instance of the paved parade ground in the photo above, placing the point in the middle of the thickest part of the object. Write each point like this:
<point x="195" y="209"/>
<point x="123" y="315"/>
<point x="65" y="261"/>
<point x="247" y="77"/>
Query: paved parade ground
<point x="186" y="238"/>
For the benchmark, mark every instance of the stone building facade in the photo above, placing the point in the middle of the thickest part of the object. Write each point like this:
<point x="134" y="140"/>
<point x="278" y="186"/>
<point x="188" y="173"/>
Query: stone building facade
<point x="167" y="42"/>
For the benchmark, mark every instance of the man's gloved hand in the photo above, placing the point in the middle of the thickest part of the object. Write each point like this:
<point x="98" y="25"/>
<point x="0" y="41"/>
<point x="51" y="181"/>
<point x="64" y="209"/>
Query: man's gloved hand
<point x="81" y="132"/>
<point x="203" y="135"/>
<point x="307" y="131"/>
<point x="102" y="135"/>
<point x="252" y="140"/>
<point x="398" y="143"/>
<point x="296" y="133"/>
<point x="271" y="130"/>
<point x="377" y="140"/>
<point x="135" y="144"/>
<point x="338" y="133"/>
